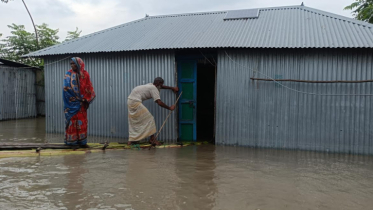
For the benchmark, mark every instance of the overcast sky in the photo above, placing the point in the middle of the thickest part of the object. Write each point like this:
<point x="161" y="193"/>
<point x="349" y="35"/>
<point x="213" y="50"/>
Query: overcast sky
<point x="94" y="15"/>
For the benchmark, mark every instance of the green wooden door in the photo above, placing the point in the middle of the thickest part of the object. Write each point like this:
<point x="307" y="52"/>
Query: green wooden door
<point x="187" y="76"/>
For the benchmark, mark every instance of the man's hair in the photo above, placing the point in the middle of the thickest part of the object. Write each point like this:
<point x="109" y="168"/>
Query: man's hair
<point x="158" y="80"/>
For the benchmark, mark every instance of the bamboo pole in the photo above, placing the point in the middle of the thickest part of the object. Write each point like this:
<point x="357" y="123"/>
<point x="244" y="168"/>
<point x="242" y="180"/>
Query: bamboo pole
<point x="34" y="146"/>
<point x="311" y="81"/>
<point x="94" y="147"/>
<point x="168" y="116"/>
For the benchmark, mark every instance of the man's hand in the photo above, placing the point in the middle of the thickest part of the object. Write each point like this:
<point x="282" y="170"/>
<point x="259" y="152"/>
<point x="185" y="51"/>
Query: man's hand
<point x="160" y="103"/>
<point x="175" y="89"/>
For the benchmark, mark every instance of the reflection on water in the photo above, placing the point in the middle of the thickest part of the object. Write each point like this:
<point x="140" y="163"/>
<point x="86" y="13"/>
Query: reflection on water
<point x="33" y="131"/>
<point x="202" y="177"/>
<point x="25" y="130"/>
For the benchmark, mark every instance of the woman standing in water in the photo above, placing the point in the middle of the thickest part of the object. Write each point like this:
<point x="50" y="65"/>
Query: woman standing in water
<point x="78" y="94"/>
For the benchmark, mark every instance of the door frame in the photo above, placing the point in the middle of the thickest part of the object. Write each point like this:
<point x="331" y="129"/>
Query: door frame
<point x="195" y="58"/>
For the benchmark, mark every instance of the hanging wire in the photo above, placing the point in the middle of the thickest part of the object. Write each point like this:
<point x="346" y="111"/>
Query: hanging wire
<point x="207" y="58"/>
<point x="292" y="89"/>
<point x="32" y="67"/>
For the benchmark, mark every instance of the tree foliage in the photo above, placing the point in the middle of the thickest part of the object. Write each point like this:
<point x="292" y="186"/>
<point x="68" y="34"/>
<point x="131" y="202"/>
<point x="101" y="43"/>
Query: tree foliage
<point x="22" y="42"/>
<point x="73" y="34"/>
<point x="48" y="37"/>
<point x="2" y="53"/>
<point x="362" y="10"/>
<point x="2" y="50"/>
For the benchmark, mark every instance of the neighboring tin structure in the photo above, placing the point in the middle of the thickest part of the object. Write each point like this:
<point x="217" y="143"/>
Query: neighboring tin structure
<point x="224" y="63"/>
<point x="17" y="90"/>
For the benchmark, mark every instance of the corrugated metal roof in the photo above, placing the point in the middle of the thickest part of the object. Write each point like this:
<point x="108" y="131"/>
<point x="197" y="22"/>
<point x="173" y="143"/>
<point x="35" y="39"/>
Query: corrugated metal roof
<point x="279" y="27"/>
<point x="9" y="63"/>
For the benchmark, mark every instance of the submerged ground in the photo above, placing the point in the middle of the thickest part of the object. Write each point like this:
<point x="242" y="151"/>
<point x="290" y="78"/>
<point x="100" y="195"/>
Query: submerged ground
<point x="194" y="177"/>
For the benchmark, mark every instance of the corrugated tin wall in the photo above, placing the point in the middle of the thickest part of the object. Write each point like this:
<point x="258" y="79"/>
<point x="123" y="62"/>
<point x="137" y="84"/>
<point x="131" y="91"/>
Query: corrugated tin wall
<point x="265" y="114"/>
<point x="17" y="93"/>
<point x="40" y="99"/>
<point x="113" y="77"/>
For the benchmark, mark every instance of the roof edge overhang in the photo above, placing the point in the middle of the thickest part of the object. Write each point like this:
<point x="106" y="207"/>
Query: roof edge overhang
<point x="189" y="48"/>
<point x="17" y="65"/>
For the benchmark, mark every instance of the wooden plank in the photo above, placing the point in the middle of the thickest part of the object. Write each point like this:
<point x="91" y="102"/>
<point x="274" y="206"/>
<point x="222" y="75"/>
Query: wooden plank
<point x="35" y="147"/>
<point x="29" y="144"/>
<point x="8" y="146"/>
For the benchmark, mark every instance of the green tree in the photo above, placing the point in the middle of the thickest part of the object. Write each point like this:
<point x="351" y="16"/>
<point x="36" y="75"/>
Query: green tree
<point x="362" y="10"/>
<point x="32" y="20"/>
<point x="2" y="53"/>
<point x="48" y="37"/>
<point x="22" y="42"/>
<point x="73" y="34"/>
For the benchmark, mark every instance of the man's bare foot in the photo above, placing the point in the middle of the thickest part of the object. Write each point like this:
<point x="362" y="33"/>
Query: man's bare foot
<point x="131" y="143"/>
<point x="154" y="142"/>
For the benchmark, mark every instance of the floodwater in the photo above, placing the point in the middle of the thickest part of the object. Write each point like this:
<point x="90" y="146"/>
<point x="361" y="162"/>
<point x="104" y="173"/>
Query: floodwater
<point x="33" y="131"/>
<point x="25" y="130"/>
<point x="195" y="177"/>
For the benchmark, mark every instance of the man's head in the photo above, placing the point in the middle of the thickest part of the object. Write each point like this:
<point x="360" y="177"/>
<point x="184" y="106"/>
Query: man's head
<point x="158" y="82"/>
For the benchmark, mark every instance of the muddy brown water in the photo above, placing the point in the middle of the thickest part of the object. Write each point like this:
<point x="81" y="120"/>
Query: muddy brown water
<point x="195" y="177"/>
<point x="25" y="130"/>
<point x="33" y="131"/>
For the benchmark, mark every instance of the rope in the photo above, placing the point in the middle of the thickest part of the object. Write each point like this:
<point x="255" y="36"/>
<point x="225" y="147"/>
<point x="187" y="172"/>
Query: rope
<point x="207" y="59"/>
<point x="168" y="116"/>
<point x="31" y="67"/>
<point x="289" y="88"/>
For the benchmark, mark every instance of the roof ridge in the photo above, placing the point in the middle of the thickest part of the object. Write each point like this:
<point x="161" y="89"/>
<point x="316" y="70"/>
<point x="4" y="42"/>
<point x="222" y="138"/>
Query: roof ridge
<point x="336" y="16"/>
<point x="216" y="12"/>
<point x="186" y="14"/>
<point x="324" y="13"/>
<point x="305" y="8"/>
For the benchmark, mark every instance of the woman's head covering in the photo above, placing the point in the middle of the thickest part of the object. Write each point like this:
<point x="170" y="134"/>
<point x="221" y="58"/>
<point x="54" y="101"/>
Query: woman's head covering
<point x="79" y="63"/>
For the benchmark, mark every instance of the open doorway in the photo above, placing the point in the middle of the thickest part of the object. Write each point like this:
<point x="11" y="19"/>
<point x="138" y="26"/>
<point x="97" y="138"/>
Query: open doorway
<point x="206" y="100"/>
<point x="196" y="73"/>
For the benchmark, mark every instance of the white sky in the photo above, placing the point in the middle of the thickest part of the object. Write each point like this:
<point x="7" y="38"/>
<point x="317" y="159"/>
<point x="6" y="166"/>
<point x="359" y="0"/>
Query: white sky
<point x="94" y="15"/>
